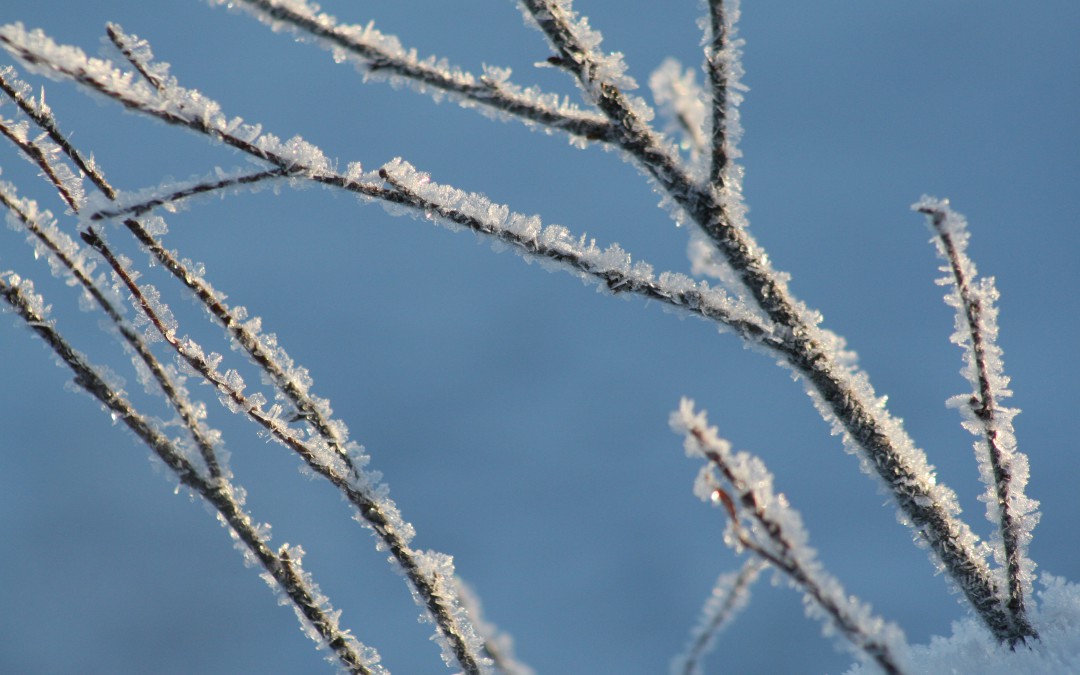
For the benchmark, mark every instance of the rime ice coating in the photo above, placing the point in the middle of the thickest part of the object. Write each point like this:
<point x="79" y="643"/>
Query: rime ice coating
<point x="1002" y="468"/>
<point x="729" y="597"/>
<point x="383" y="57"/>
<point x="325" y="451"/>
<point x="762" y="521"/>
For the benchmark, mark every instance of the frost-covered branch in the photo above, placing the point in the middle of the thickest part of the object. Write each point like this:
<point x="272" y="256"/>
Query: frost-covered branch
<point x="329" y="454"/>
<point x="497" y="645"/>
<point x="775" y="533"/>
<point x="427" y="572"/>
<point x="414" y="190"/>
<point x="44" y="156"/>
<point x="383" y="56"/>
<point x="169" y="197"/>
<point x="729" y="597"/>
<point x="724" y="66"/>
<point x="311" y="607"/>
<point x="138" y="54"/>
<point x="680" y="99"/>
<point x="1003" y="469"/>
<point x="843" y="395"/>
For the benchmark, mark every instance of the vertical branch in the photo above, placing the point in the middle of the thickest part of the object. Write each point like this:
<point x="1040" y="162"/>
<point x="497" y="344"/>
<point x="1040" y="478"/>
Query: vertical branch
<point x="1004" y="469"/>
<point x="719" y="28"/>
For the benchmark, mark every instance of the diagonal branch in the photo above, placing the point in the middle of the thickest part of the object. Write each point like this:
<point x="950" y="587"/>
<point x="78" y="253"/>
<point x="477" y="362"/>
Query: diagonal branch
<point x="330" y="454"/>
<point x="377" y="511"/>
<point x="137" y="52"/>
<point x="729" y="596"/>
<point x="777" y="536"/>
<point x="383" y="55"/>
<point x="219" y="492"/>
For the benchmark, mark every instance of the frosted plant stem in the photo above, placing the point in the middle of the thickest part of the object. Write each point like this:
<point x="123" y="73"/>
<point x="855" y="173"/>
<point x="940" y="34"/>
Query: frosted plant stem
<point x="144" y="207"/>
<point x="718" y="79"/>
<point x="432" y="592"/>
<point x="427" y="585"/>
<point x="307" y="408"/>
<point x="976" y="319"/>
<point x="777" y="536"/>
<point x="127" y="47"/>
<point x="729" y="596"/>
<point x="43" y="117"/>
<point x="691" y="298"/>
<point x="218" y="491"/>
<point x="36" y="155"/>
<point x="926" y="503"/>
<point x="80" y="272"/>
<point x="382" y="55"/>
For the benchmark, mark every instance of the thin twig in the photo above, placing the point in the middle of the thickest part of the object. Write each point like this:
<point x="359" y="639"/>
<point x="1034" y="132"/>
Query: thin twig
<point x="995" y="422"/>
<point x="126" y="45"/>
<point x="329" y="465"/>
<point x="381" y="56"/>
<point x="779" y="538"/>
<point x="729" y="596"/>
<point x="218" y="492"/>
<point x="143" y="207"/>
<point x="718" y="79"/>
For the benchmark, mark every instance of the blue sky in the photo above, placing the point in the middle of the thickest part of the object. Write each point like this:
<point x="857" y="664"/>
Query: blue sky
<point x="519" y="417"/>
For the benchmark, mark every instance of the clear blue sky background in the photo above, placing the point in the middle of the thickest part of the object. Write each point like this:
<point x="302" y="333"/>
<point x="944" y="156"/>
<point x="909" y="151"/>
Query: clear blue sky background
<point x="520" y="418"/>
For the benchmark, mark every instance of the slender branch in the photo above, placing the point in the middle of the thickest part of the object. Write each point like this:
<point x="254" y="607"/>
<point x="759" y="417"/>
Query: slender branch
<point x="218" y="492"/>
<point x="610" y="268"/>
<point x="377" y="512"/>
<point x="143" y="207"/>
<point x="721" y="58"/>
<point x="779" y="538"/>
<point x="383" y="55"/>
<point x="729" y="596"/>
<point x="33" y="151"/>
<point x="137" y="53"/>
<point x="977" y="324"/>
